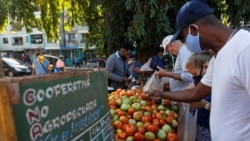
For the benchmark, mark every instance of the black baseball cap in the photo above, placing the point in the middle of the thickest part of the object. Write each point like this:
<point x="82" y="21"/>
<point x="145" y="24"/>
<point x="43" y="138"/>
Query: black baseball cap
<point x="191" y="12"/>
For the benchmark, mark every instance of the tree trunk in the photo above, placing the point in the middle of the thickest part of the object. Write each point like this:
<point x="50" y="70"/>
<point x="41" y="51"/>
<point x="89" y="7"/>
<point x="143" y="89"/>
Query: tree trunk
<point x="1" y="68"/>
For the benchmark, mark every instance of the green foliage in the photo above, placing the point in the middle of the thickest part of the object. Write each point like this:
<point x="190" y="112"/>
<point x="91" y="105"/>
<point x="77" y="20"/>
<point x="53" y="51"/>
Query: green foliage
<point x="4" y="14"/>
<point x="146" y="22"/>
<point x="234" y="13"/>
<point x="112" y="22"/>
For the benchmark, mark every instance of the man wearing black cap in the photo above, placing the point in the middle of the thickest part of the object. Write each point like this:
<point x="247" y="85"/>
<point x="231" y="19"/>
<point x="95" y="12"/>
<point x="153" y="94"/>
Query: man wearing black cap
<point x="227" y="76"/>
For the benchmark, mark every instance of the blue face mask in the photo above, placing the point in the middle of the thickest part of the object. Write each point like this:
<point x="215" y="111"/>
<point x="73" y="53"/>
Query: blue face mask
<point x="193" y="42"/>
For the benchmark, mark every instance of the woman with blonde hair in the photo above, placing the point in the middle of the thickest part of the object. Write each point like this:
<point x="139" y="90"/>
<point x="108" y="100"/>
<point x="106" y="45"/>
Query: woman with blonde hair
<point x="197" y="65"/>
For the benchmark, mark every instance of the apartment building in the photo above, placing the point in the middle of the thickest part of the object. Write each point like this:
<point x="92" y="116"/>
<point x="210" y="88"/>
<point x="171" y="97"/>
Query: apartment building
<point x="72" y="44"/>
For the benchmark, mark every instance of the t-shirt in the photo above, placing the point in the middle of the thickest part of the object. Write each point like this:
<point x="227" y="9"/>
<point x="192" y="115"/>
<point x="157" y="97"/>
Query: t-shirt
<point x="60" y="64"/>
<point x="138" y="64"/>
<point x="158" y="61"/>
<point x="229" y="76"/>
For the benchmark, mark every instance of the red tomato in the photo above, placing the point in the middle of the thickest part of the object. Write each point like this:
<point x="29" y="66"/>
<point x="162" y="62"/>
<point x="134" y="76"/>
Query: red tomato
<point x="129" y="116"/>
<point x="118" y="124"/>
<point x="124" y="126"/>
<point x="169" y="120"/>
<point x="172" y="136"/>
<point x="156" y="140"/>
<point x="152" y="128"/>
<point x="129" y="93"/>
<point x="171" y="114"/>
<point x="131" y="129"/>
<point x="159" y="115"/>
<point x="112" y="106"/>
<point x="146" y="118"/>
<point x="138" y="136"/>
<point x="154" y="106"/>
<point x="149" y="108"/>
<point x="121" y="113"/>
<point x="141" y="129"/>
<point x="123" y="119"/>
<point x="122" y="135"/>
<point x="156" y="122"/>
<point x="118" y="90"/>
<point x="131" y="111"/>
<point x="162" y="122"/>
<point x="167" y="102"/>
<point x="143" y="95"/>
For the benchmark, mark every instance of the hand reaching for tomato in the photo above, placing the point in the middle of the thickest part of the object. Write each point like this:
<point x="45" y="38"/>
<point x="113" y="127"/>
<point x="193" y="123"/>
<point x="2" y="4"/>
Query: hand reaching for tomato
<point x="155" y="95"/>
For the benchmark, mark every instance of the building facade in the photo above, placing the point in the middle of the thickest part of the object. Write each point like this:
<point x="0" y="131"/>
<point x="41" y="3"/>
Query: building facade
<point x="71" y="45"/>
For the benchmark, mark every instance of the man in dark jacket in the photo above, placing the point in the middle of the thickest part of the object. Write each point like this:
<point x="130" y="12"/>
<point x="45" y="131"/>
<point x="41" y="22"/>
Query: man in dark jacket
<point x="117" y="66"/>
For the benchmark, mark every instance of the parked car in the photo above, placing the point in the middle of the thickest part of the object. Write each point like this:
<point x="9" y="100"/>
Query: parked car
<point x="14" y="67"/>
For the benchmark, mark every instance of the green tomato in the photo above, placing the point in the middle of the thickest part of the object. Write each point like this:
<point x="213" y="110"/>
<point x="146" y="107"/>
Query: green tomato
<point x="149" y="136"/>
<point x="125" y="106"/>
<point x="136" y="106"/>
<point x="167" y="128"/>
<point x="161" y="134"/>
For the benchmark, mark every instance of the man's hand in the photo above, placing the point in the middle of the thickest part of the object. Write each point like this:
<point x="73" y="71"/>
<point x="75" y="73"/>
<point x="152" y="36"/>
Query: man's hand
<point x="155" y="95"/>
<point x="161" y="73"/>
<point x="125" y="79"/>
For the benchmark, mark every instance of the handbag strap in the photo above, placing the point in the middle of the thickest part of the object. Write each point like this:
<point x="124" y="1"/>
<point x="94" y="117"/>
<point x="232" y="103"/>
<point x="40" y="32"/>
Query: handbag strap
<point x="43" y="67"/>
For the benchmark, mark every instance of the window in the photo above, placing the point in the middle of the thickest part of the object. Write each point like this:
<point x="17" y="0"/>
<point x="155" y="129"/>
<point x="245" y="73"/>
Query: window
<point x="85" y="37"/>
<point x="5" y="40"/>
<point x="71" y="37"/>
<point x="17" y="41"/>
<point x="36" y="39"/>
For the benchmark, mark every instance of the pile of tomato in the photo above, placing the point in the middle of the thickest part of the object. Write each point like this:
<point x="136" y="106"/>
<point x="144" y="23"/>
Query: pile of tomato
<point x="136" y="118"/>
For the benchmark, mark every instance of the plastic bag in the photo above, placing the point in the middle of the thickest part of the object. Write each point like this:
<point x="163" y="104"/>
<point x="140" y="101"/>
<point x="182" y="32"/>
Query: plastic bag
<point x="187" y="122"/>
<point x="153" y="83"/>
<point x="146" y="66"/>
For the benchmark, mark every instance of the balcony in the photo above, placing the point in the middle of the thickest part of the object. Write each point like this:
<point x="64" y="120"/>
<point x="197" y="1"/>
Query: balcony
<point x="69" y="44"/>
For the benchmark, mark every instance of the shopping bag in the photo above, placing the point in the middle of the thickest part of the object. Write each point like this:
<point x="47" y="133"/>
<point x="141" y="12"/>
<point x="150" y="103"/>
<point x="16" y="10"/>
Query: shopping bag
<point x="154" y="83"/>
<point x="146" y="66"/>
<point x="187" y="122"/>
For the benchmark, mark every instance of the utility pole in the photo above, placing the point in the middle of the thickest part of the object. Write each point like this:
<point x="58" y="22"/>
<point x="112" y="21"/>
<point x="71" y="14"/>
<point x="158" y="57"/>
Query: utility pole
<point x="63" y="29"/>
<point x="1" y="67"/>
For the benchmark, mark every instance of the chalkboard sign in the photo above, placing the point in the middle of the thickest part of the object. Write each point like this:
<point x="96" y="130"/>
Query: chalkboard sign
<point x="68" y="107"/>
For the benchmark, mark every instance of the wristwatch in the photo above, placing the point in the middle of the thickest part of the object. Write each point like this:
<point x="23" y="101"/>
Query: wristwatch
<point x="207" y="105"/>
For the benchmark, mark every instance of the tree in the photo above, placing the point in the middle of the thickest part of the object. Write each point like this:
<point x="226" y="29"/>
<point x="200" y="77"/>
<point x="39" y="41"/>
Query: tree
<point x="233" y="13"/>
<point x="141" y="21"/>
<point x="111" y="22"/>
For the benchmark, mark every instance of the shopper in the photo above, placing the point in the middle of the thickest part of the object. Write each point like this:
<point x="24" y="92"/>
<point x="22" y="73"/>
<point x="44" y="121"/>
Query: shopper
<point x="227" y="76"/>
<point x="179" y="77"/>
<point x="158" y="59"/>
<point x="60" y="65"/>
<point x="40" y="64"/>
<point x="197" y="65"/>
<point x="77" y="62"/>
<point x="118" y="68"/>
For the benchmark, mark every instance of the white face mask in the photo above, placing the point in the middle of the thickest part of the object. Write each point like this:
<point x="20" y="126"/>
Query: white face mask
<point x="193" y="42"/>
